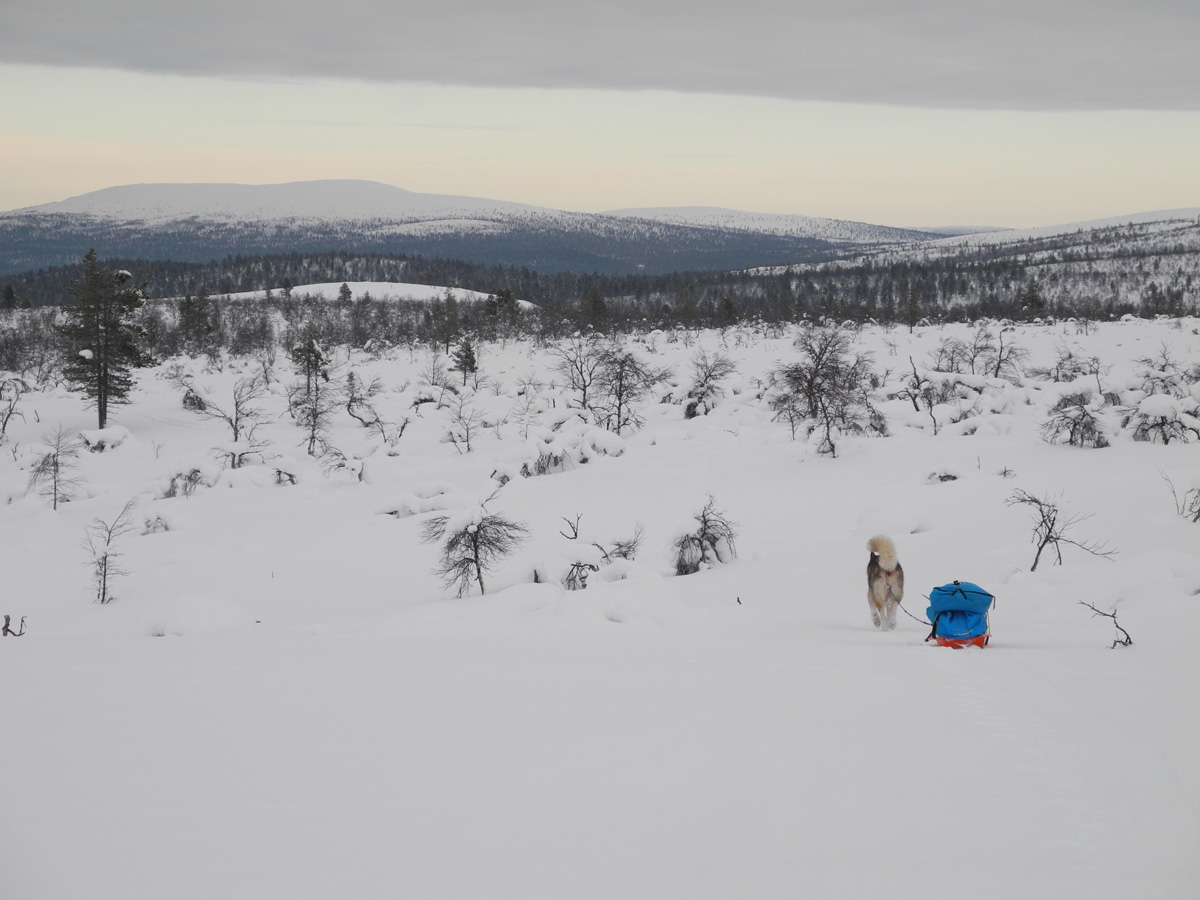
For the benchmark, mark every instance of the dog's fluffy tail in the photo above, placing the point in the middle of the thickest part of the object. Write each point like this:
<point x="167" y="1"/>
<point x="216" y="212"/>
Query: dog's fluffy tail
<point x="883" y="547"/>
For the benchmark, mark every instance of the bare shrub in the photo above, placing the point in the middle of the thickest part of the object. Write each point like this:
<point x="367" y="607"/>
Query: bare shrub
<point x="1073" y="419"/>
<point x="579" y="360"/>
<point x="465" y="425"/>
<point x="830" y="387"/>
<point x="710" y="544"/>
<point x="184" y="484"/>
<point x="334" y="460"/>
<point x="52" y="476"/>
<point x="1188" y="505"/>
<point x="707" y="374"/>
<point x="470" y="545"/>
<point x="1122" y="639"/>
<point x="11" y="390"/>
<point x="1160" y="419"/>
<point x="100" y="541"/>
<point x="1005" y="360"/>
<point x="622" y="382"/>
<point x="1050" y="528"/>
<point x="577" y="575"/>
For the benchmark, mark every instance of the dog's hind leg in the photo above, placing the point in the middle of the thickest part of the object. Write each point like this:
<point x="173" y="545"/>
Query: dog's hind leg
<point x="874" y="611"/>
<point x="891" y="614"/>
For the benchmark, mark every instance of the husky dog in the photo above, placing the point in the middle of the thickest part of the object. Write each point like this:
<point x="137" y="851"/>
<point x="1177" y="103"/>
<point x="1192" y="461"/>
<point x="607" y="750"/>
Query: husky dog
<point x="885" y="582"/>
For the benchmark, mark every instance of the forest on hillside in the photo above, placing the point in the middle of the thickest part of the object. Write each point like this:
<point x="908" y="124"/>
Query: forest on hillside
<point x="1065" y="276"/>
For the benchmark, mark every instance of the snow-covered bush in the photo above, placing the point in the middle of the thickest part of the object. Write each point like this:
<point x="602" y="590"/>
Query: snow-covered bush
<point x="1075" y="419"/>
<point x="184" y="484"/>
<point x="547" y="451"/>
<point x="470" y="542"/>
<point x="710" y="543"/>
<point x="830" y="388"/>
<point x="708" y="371"/>
<point x="1162" y="418"/>
<point x="98" y="440"/>
<point x="587" y="555"/>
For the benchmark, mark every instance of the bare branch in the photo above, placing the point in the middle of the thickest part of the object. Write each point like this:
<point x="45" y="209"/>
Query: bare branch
<point x="1123" y="640"/>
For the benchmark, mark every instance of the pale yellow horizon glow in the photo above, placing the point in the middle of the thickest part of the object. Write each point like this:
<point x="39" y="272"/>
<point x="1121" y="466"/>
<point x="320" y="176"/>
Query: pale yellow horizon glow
<point x="69" y="131"/>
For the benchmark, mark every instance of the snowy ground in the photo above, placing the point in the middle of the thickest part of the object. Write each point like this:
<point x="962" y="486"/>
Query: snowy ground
<point x="380" y="290"/>
<point x="284" y="702"/>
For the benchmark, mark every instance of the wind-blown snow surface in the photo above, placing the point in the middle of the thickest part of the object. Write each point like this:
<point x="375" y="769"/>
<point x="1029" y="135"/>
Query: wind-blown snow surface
<point x="319" y="719"/>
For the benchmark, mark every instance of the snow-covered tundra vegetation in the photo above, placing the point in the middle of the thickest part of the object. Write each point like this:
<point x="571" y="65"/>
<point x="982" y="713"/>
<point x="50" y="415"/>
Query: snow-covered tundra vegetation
<point x="317" y="621"/>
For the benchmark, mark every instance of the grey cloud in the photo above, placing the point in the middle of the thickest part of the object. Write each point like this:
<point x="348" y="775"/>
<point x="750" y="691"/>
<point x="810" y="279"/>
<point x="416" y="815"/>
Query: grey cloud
<point x="1020" y="54"/>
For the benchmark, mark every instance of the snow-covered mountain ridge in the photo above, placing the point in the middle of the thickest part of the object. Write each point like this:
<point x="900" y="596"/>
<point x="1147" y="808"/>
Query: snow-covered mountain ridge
<point x="348" y="200"/>
<point x="205" y="222"/>
<point x="200" y="222"/>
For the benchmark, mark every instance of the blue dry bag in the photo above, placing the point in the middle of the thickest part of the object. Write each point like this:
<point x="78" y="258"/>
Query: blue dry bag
<point x="958" y="612"/>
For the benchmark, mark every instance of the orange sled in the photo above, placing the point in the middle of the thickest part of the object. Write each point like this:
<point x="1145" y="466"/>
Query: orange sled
<point x="958" y="644"/>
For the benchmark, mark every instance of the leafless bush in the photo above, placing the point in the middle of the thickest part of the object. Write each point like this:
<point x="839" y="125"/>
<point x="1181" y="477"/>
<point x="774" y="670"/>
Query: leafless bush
<point x="707" y="374"/>
<point x="184" y="484"/>
<point x="312" y="405"/>
<point x="916" y="388"/>
<point x="100" y="541"/>
<point x="711" y="543"/>
<point x="1073" y="419"/>
<point x="11" y="390"/>
<point x="577" y="574"/>
<point x="334" y="460"/>
<point x="622" y="382"/>
<point x="155" y="525"/>
<point x="1005" y="360"/>
<point x="358" y="394"/>
<point x="52" y="476"/>
<point x="958" y="356"/>
<point x="1188" y="505"/>
<point x="579" y="360"/>
<point x="830" y="387"/>
<point x="1050" y="528"/>
<point x="465" y="425"/>
<point x="470" y="546"/>
<point x="1160" y="419"/>
<point x="1123" y="639"/>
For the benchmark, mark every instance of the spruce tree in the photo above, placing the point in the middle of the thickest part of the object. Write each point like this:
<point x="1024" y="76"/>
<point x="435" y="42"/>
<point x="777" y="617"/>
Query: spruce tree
<point x="103" y="343"/>
<point x="464" y="359"/>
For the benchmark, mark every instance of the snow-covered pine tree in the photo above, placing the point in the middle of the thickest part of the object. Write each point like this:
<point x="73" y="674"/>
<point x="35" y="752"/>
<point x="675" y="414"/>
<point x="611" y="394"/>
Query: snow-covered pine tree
<point x="103" y="343"/>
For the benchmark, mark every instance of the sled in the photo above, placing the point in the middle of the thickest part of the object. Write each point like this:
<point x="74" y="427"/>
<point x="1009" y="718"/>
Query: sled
<point x="958" y="613"/>
<point x="959" y="643"/>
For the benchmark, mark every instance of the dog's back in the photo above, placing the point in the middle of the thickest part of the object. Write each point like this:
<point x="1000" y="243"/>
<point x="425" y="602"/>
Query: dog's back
<point x="885" y="581"/>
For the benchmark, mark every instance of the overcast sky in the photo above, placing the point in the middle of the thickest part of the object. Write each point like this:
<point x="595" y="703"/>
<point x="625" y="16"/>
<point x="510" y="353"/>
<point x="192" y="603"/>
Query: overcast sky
<point x="906" y="113"/>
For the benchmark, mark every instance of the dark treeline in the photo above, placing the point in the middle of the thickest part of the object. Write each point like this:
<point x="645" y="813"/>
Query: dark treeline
<point x="1129" y="270"/>
<point x="579" y="243"/>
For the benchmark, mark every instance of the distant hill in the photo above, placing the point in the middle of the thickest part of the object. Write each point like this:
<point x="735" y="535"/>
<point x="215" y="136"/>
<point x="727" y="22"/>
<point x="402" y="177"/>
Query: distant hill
<point x="837" y="231"/>
<point x="201" y="222"/>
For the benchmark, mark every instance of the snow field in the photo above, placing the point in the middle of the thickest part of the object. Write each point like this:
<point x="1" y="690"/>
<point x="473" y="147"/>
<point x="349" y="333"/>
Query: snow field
<point x="284" y="702"/>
